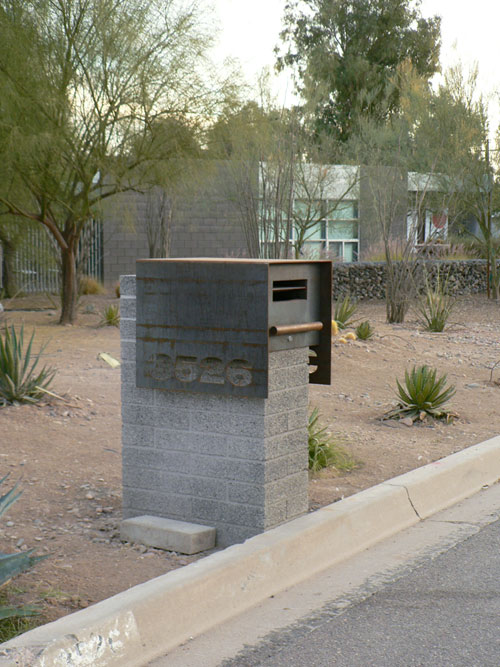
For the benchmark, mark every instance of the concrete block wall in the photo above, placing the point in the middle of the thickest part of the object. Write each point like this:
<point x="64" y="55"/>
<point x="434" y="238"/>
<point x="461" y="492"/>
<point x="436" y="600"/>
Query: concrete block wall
<point x="205" y="223"/>
<point x="238" y="464"/>
<point x="125" y="238"/>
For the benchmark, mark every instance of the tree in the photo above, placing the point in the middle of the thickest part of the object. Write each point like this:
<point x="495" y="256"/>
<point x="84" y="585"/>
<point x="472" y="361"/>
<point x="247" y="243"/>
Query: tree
<point x="455" y="132"/>
<point x="176" y="143"/>
<point x="440" y="134"/>
<point x="387" y="151"/>
<point x="346" y="55"/>
<point x="83" y="84"/>
<point x="10" y="237"/>
<point x="383" y="152"/>
<point x="281" y="181"/>
<point x="258" y="144"/>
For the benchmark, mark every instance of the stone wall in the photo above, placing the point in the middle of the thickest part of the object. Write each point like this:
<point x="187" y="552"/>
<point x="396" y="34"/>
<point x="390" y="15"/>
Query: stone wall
<point x="366" y="280"/>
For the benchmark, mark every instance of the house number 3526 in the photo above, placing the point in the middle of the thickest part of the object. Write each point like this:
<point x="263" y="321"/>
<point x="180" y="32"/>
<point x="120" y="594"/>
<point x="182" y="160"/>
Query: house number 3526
<point x="209" y="370"/>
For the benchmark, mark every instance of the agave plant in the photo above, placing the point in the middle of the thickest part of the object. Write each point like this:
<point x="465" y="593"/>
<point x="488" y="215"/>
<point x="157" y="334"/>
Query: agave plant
<point x="20" y="382"/>
<point x="344" y="310"/>
<point x="12" y="564"/>
<point x="423" y="394"/>
<point x="436" y="305"/>
<point x="364" y="330"/>
<point x="111" y="316"/>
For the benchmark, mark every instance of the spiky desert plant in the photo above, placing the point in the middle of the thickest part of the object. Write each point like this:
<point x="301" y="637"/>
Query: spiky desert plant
<point x="422" y="394"/>
<point x="13" y="564"/>
<point x="323" y="450"/>
<point x="20" y="381"/>
<point x="436" y="305"/>
<point x="344" y="310"/>
<point x="364" y="330"/>
<point x="110" y="317"/>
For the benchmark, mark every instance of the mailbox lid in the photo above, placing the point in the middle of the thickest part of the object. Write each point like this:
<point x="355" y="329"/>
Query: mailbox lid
<point x="293" y="298"/>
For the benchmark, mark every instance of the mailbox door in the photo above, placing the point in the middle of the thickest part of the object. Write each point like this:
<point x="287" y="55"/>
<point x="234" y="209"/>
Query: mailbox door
<point x="300" y="305"/>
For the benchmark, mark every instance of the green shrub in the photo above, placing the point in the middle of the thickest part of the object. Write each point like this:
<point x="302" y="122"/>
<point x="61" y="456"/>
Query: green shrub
<point x="323" y="451"/>
<point x="344" y="310"/>
<point x="436" y="305"/>
<point x="364" y="330"/>
<point x="111" y="317"/>
<point x="423" y="395"/>
<point x="20" y="382"/>
<point x="13" y="564"/>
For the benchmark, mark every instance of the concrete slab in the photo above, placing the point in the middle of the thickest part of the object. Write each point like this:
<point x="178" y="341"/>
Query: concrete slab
<point x="168" y="534"/>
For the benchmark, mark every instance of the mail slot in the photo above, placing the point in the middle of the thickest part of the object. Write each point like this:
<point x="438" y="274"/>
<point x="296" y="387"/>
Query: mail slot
<point x="208" y="325"/>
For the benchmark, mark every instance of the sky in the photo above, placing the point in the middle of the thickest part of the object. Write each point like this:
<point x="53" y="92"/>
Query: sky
<point x="249" y="31"/>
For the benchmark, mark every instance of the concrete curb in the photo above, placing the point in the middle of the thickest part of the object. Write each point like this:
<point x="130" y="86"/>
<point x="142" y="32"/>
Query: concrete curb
<point x="147" y="621"/>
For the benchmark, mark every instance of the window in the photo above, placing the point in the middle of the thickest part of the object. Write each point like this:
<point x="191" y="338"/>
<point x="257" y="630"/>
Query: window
<point x="336" y="235"/>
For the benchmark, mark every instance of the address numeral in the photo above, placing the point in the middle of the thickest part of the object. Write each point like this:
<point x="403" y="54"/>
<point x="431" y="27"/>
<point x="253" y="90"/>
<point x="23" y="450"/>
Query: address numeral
<point x="210" y="370"/>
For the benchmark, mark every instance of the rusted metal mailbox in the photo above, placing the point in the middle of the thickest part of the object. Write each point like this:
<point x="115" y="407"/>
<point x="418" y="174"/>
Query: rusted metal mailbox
<point x="208" y="325"/>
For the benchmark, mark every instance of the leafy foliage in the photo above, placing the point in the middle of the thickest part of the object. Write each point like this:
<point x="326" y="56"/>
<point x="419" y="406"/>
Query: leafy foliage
<point x="344" y="310"/>
<point x="423" y="394"/>
<point x="111" y="316"/>
<point x="347" y="55"/>
<point x="436" y="305"/>
<point x="13" y="564"/>
<point x="20" y="382"/>
<point x="93" y="94"/>
<point x="323" y="451"/>
<point x="364" y="330"/>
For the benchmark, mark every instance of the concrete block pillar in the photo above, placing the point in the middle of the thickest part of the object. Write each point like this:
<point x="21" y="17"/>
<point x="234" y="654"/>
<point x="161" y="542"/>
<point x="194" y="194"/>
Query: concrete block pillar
<point x="239" y="464"/>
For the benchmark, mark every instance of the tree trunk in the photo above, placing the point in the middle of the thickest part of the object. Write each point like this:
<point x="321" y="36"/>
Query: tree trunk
<point x="9" y="275"/>
<point x="495" y="279"/>
<point x="69" y="285"/>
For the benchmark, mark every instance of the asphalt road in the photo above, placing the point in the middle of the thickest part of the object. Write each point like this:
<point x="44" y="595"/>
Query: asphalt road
<point x="429" y="596"/>
<point x="445" y="613"/>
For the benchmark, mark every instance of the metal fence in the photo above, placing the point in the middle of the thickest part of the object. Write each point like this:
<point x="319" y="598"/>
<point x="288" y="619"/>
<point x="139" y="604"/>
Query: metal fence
<point x="37" y="261"/>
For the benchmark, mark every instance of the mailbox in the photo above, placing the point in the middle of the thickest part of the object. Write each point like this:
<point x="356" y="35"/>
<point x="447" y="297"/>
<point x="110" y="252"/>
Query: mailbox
<point x="208" y="325"/>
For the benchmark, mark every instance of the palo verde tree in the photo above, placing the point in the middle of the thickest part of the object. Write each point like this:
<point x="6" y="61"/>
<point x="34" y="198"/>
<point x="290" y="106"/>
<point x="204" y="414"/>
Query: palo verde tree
<point x="82" y="82"/>
<point x="346" y="55"/>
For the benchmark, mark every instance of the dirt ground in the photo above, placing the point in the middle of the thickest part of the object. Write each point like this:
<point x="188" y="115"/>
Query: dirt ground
<point x="66" y="453"/>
